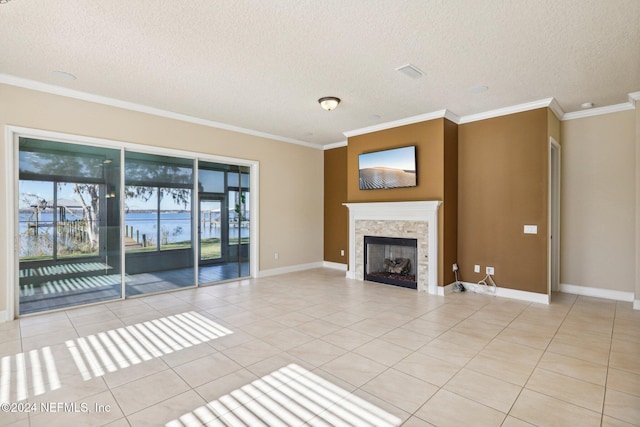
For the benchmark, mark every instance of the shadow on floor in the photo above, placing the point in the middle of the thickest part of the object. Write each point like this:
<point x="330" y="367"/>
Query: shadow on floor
<point x="56" y="287"/>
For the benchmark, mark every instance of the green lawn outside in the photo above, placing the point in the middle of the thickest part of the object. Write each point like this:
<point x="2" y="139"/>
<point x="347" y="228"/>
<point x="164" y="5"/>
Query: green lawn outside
<point x="209" y="248"/>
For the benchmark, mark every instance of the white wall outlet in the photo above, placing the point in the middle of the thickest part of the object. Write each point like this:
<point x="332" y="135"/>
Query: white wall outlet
<point x="476" y="268"/>
<point x="530" y="229"/>
<point x="455" y="267"/>
<point x="276" y="255"/>
<point x="341" y="252"/>
<point x="491" y="271"/>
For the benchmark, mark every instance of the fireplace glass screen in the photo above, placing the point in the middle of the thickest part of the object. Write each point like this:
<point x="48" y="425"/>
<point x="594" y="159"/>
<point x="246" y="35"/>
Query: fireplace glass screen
<point x="391" y="260"/>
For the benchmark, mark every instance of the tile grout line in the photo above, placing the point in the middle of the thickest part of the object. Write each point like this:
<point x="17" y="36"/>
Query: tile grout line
<point x="377" y="299"/>
<point x="542" y="355"/>
<point x="458" y="371"/>
<point x="544" y="351"/>
<point x="491" y="376"/>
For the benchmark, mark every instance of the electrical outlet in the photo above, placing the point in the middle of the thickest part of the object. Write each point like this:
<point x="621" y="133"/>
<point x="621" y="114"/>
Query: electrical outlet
<point x="476" y="268"/>
<point x="341" y="252"/>
<point x="276" y="255"/>
<point x="455" y="267"/>
<point x="491" y="271"/>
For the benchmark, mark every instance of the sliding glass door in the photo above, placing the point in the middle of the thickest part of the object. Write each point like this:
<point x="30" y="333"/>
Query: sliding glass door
<point x="68" y="222"/>
<point x="223" y="191"/>
<point x="99" y="224"/>
<point x="239" y="212"/>
<point x="158" y="212"/>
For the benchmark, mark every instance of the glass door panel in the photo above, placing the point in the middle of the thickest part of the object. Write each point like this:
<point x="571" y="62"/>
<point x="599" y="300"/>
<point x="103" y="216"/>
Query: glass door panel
<point x="71" y="214"/>
<point x="68" y="223"/>
<point x="224" y="222"/>
<point x="210" y="231"/>
<point x="158" y="218"/>
<point x="239" y="220"/>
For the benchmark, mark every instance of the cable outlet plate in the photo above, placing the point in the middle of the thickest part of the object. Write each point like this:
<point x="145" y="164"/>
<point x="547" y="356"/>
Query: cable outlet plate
<point x="491" y="271"/>
<point x="476" y="268"/>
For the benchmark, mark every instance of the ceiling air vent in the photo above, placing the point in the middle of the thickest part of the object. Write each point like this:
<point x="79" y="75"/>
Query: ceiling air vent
<point x="411" y="71"/>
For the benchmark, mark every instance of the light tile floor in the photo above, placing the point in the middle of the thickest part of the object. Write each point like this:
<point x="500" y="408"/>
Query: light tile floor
<point x="314" y="348"/>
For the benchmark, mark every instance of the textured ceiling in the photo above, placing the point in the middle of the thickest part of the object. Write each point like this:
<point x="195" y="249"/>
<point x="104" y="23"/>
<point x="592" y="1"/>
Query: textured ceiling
<point x="262" y="65"/>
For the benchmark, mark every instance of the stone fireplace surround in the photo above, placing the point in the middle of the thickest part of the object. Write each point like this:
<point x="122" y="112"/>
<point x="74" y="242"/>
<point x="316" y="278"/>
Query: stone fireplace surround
<point x="413" y="220"/>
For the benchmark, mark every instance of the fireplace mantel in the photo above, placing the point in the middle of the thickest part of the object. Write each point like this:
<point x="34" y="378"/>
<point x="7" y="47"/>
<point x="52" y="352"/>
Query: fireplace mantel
<point x="417" y="212"/>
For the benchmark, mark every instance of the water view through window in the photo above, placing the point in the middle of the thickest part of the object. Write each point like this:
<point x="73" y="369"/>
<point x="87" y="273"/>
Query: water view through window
<point x="74" y="223"/>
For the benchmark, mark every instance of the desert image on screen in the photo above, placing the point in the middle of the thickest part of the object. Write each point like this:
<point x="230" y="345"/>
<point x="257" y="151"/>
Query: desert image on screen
<point x="381" y="177"/>
<point x="387" y="169"/>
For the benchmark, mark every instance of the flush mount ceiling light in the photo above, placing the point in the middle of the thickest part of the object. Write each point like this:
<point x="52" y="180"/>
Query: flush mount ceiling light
<point x="587" y="105"/>
<point x="329" y="102"/>
<point x="4" y="1"/>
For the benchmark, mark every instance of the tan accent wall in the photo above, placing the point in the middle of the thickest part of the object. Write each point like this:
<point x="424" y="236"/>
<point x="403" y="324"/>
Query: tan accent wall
<point x="436" y="158"/>
<point x="503" y="185"/>
<point x="428" y="139"/>
<point x="336" y="216"/>
<point x="598" y="216"/>
<point x="291" y="193"/>
<point x="448" y="221"/>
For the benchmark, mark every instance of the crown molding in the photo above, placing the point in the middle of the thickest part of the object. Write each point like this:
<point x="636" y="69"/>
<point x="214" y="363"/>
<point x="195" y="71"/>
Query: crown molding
<point x="543" y="103"/>
<point x="449" y="115"/>
<point x="396" y="123"/>
<point x="98" y="99"/>
<point x="556" y="109"/>
<point x="599" y="111"/>
<point x="551" y="103"/>
<point x="336" y="145"/>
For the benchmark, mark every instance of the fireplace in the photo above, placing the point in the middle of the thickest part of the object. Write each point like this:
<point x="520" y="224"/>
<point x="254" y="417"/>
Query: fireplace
<point x="391" y="260"/>
<point x="407" y="220"/>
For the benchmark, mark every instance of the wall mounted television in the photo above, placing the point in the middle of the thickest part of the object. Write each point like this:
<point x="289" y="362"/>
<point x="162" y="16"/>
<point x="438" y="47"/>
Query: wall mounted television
<point x="394" y="168"/>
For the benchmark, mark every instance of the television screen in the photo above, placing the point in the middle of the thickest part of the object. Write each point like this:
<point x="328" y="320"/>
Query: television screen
<point x="393" y="168"/>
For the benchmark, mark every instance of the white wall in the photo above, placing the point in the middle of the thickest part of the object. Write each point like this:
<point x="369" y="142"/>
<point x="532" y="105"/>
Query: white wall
<point x="598" y="219"/>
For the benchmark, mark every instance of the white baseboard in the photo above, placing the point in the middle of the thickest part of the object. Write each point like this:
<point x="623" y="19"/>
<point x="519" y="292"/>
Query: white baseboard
<point x="447" y="289"/>
<point x="290" y="269"/>
<point x="4" y="316"/>
<point x="596" y="292"/>
<point x="500" y="292"/>
<point x="523" y="295"/>
<point x="335" y="265"/>
<point x="636" y="304"/>
<point x="512" y="293"/>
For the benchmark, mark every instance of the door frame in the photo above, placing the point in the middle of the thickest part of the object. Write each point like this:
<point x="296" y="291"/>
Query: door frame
<point x="11" y="135"/>
<point x="555" y="174"/>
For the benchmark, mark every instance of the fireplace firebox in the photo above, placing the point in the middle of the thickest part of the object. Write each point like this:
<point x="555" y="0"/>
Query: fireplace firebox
<point x="391" y="260"/>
